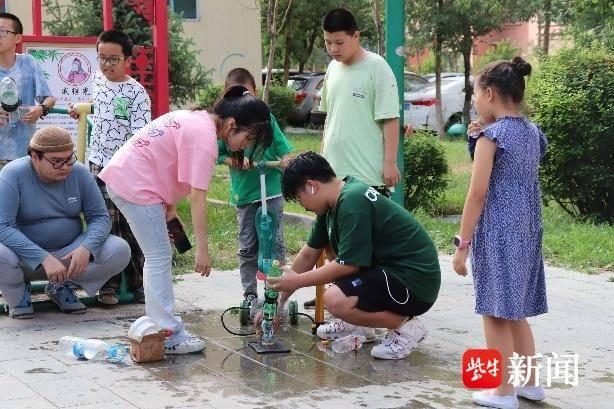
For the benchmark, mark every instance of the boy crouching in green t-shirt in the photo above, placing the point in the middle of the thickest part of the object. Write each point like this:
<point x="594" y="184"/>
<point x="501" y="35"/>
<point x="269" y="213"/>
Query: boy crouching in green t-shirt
<point x="386" y="271"/>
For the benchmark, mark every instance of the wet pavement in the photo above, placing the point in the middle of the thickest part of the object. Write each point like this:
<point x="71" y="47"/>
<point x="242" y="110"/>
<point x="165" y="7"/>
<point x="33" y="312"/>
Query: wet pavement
<point x="33" y="374"/>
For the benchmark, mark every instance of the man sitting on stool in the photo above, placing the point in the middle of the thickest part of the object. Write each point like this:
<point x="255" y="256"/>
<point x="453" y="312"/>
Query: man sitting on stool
<point x="42" y="198"/>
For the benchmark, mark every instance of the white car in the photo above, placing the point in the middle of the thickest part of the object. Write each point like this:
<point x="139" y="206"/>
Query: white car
<point x="419" y="106"/>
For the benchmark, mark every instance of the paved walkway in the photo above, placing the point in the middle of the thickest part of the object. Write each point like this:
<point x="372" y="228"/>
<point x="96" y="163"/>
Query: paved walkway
<point x="230" y="375"/>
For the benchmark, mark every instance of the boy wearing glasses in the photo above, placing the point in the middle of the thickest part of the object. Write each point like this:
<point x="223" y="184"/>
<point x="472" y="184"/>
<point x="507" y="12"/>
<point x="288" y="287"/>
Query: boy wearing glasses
<point x="121" y="108"/>
<point x="33" y="88"/>
<point x="41" y="229"/>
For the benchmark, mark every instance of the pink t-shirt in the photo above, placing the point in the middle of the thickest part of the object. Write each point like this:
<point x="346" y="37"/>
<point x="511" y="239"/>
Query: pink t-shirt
<point x="165" y="159"/>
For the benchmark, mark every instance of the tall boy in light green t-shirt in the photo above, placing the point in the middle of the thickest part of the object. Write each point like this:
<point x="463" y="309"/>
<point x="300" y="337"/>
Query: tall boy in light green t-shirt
<point x="360" y="96"/>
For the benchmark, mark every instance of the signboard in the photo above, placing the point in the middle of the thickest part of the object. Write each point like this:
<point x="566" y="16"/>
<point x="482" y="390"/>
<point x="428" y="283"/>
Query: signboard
<point x="69" y="71"/>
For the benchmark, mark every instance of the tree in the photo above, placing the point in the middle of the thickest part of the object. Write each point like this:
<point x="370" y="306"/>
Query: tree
<point x="588" y="21"/>
<point x="274" y="27"/>
<point x="430" y="24"/>
<point x="84" y="18"/>
<point x="477" y="18"/>
<point x="301" y="38"/>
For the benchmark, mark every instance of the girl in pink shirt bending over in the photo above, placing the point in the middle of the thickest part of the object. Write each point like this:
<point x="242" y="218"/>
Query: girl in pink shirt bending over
<point x="169" y="159"/>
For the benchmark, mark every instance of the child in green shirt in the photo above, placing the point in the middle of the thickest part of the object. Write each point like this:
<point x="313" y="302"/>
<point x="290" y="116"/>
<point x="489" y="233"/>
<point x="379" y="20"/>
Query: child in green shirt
<point x="386" y="271"/>
<point x="245" y="193"/>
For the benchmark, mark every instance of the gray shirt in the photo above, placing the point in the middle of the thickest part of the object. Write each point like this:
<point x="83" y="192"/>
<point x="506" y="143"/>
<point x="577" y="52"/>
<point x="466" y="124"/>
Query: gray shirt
<point x="37" y="217"/>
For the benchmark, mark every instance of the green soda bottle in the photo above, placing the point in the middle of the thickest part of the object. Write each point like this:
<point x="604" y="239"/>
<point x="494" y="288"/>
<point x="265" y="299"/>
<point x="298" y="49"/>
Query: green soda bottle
<point x="274" y="271"/>
<point x="269" y="308"/>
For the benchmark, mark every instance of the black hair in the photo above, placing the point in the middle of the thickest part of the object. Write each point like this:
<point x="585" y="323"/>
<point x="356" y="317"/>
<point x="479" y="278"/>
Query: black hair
<point x="240" y="76"/>
<point x="116" y="37"/>
<point x="507" y="77"/>
<point x="304" y="167"/>
<point x="32" y="151"/>
<point x="17" y="26"/>
<point x="339" y="19"/>
<point x="251" y="114"/>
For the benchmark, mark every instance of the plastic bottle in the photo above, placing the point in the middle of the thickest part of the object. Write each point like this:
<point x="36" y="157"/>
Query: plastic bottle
<point x="10" y="99"/>
<point x="274" y="271"/>
<point x="93" y="349"/>
<point x="269" y="308"/>
<point x="348" y="343"/>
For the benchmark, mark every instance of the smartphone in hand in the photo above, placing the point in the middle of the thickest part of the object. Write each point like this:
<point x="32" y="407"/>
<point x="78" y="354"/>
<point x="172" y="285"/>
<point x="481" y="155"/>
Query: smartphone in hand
<point x="182" y="244"/>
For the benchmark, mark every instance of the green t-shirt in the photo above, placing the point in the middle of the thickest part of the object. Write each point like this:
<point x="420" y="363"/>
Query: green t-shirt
<point x="245" y="184"/>
<point x="357" y="98"/>
<point x="369" y="230"/>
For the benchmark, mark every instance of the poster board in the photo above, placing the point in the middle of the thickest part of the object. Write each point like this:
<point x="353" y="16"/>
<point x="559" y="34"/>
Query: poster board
<point x="69" y="70"/>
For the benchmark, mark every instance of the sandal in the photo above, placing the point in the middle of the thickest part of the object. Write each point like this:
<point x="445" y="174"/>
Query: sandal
<point x="107" y="296"/>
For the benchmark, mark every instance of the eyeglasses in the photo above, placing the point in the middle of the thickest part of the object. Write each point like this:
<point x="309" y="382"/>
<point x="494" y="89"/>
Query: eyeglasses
<point x="58" y="164"/>
<point x="4" y="33"/>
<point x="109" y="60"/>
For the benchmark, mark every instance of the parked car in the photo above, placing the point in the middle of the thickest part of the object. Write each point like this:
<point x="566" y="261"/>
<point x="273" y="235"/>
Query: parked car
<point x="412" y="81"/>
<point x="419" y="106"/>
<point x="431" y="77"/>
<point x="304" y="87"/>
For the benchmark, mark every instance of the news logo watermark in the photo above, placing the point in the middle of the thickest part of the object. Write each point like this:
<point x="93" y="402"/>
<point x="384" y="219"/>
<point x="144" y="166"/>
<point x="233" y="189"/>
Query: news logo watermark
<point x="484" y="369"/>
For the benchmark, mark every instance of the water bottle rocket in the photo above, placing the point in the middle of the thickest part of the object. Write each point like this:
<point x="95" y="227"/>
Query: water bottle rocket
<point x="10" y="100"/>
<point x="265" y="226"/>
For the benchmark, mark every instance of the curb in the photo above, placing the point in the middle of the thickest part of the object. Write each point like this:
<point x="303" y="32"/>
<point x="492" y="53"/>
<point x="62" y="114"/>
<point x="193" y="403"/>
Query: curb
<point x="291" y="217"/>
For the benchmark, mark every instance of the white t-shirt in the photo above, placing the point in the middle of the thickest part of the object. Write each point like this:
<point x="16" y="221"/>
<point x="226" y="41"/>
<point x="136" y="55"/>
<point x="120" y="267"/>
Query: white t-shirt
<point x="120" y="110"/>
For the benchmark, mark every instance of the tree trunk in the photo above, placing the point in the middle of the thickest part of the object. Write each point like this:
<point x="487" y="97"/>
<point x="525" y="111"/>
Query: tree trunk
<point x="438" y="46"/>
<point x="272" y="23"/>
<point x="307" y="54"/>
<point x="287" y="55"/>
<point x="547" y="18"/>
<point x="438" y="110"/>
<point x="539" y="29"/>
<point x="376" y="10"/>
<point x="467" y="47"/>
<point x="273" y="32"/>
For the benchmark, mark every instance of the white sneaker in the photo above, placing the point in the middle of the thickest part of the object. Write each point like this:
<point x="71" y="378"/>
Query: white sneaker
<point x="491" y="401"/>
<point x="400" y="342"/>
<point x="189" y="345"/>
<point x="535" y="393"/>
<point x="339" y="328"/>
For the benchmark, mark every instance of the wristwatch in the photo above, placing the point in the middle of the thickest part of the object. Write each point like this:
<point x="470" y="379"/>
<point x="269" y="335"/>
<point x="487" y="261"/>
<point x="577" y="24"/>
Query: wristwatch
<point x="460" y="243"/>
<point x="45" y="110"/>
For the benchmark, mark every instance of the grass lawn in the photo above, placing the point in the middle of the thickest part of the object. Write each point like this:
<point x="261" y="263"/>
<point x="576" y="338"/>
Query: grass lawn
<point x="567" y="242"/>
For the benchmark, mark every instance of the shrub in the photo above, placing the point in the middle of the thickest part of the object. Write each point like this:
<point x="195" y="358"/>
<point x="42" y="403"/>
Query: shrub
<point x="207" y="96"/>
<point x="426" y="168"/>
<point x="281" y="101"/>
<point x="571" y="98"/>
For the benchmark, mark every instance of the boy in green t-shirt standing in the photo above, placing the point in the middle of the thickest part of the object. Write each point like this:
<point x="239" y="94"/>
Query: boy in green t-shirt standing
<point x="360" y="96"/>
<point x="245" y="193"/>
<point x="386" y="271"/>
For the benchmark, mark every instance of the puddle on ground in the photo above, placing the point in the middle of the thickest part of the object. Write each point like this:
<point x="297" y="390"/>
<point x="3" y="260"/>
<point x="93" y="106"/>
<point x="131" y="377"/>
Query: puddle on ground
<point x="312" y="366"/>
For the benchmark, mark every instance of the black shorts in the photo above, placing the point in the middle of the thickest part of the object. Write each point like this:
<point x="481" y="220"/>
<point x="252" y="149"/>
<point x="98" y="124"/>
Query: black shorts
<point x="379" y="291"/>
